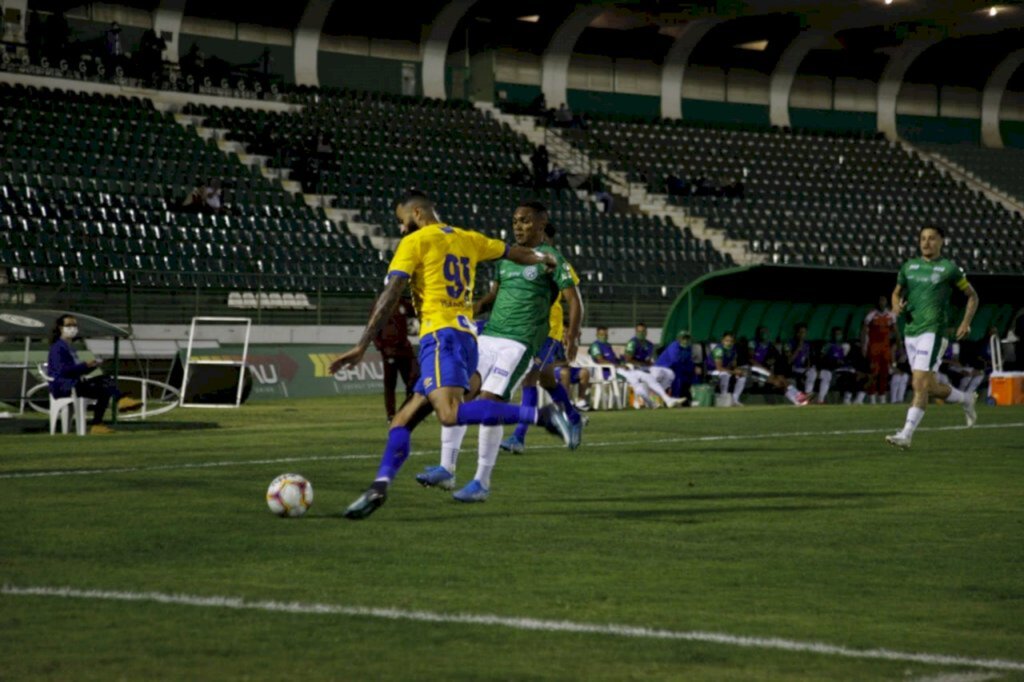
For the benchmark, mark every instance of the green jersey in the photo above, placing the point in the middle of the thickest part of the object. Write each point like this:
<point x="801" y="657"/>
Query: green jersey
<point x="927" y="286"/>
<point x="525" y="295"/>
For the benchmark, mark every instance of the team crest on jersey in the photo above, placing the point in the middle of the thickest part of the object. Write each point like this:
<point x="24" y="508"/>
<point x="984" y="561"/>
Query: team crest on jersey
<point x="530" y="273"/>
<point x="935" y="277"/>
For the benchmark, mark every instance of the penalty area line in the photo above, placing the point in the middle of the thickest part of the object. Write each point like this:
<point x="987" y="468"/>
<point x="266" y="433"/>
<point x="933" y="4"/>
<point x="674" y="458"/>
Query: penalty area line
<point x="421" y="453"/>
<point x="528" y="624"/>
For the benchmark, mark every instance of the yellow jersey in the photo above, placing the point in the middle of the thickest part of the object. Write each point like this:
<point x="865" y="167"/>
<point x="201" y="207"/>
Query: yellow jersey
<point x="440" y="262"/>
<point x="557" y="320"/>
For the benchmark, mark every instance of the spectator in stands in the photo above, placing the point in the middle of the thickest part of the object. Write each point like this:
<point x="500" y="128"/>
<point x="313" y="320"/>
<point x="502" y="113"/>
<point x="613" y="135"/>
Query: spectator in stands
<point x="115" y="50"/>
<point x="563" y="116"/>
<point x="558" y="179"/>
<point x="722" y="365"/>
<point x="538" y="106"/>
<point x="56" y="34"/>
<point x="399" y="359"/>
<point x="205" y="198"/>
<point x="193" y="65"/>
<point x="540" y="161"/>
<point x="67" y="374"/>
<point x="877" y="335"/>
<point x="34" y="37"/>
<point x="149" y="59"/>
<point x="800" y="360"/>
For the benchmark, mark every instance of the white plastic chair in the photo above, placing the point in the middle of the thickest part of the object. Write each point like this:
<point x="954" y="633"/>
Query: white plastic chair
<point x="59" y="407"/>
<point x="605" y="394"/>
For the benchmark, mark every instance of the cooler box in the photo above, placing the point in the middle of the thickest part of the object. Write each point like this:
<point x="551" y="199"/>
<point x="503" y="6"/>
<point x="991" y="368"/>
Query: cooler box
<point x="702" y="395"/>
<point x="1007" y="388"/>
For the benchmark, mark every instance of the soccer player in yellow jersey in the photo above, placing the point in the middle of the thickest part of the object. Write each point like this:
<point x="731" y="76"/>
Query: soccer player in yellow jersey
<point x="439" y="262"/>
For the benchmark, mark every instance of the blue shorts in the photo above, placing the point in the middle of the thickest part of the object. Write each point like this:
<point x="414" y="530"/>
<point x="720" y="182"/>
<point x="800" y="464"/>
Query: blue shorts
<point x="551" y="351"/>
<point x="448" y="357"/>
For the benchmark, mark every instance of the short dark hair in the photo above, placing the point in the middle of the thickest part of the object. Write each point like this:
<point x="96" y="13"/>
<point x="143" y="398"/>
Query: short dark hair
<point x="640" y="323"/>
<point x="728" y="332"/>
<point x="600" y="327"/>
<point x="533" y="205"/>
<point x="414" y="195"/>
<point x="937" y="228"/>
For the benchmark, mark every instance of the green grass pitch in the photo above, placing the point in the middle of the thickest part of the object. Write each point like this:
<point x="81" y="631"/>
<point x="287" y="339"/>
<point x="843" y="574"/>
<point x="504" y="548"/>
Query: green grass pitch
<point x="693" y="544"/>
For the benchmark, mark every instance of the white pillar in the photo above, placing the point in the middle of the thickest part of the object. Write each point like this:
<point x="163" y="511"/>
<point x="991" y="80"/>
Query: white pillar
<point x="785" y="73"/>
<point x="992" y="98"/>
<point x="307" y="41"/>
<point x="554" y="78"/>
<point x="434" y="53"/>
<point x="892" y="80"/>
<point x="167" y="19"/>
<point x="673" y="70"/>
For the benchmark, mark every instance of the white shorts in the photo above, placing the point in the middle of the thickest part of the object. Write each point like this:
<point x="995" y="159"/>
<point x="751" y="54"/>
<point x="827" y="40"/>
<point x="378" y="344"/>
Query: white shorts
<point x="925" y="351"/>
<point x="663" y="375"/>
<point x="500" y="364"/>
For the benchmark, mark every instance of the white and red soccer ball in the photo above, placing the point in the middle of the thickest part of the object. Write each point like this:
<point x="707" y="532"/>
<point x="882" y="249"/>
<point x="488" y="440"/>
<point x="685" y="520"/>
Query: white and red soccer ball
<point x="290" y="495"/>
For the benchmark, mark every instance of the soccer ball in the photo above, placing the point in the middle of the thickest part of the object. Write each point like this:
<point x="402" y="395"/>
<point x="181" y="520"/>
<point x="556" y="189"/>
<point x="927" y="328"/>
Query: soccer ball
<point x="290" y="495"/>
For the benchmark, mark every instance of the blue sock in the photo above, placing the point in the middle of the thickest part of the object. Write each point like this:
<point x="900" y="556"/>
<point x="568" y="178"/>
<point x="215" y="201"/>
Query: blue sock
<point x="490" y="413"/>
<point x="395" y="453"/>
<point x="559" y="395"/>
<point x="529" y="400"/>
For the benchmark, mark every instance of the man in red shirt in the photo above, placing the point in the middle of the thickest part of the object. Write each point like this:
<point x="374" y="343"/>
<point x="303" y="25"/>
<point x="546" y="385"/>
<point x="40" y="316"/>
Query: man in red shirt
<point x="397" y="353"/>
<point x="876" y="339"/>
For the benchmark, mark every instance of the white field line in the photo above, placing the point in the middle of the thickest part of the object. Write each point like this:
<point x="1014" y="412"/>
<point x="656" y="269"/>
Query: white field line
<point x="531" y="624"/>
<point x="419" y="453"/>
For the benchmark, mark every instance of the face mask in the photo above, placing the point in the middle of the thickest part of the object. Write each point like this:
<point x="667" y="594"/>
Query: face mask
<point x="603" y="338"/>
<point x="642" y="335"/>
<point x="69" y="332"/>
<point x="727" y="344"/>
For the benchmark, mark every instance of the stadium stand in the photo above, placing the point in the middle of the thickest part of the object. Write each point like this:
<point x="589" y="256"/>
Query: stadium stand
<point x="471" y="165"/>
<point x="1001" y="168"/>
<point x="867" y="196"/>
<point x="91" y="190"/>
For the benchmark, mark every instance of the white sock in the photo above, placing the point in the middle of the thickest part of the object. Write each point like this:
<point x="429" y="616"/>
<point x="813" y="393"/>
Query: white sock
<point x="791" y="394"/>
<point x="741" y="383"/>
<point x="873" y="399"/>
<point x="824" y="385"/>
<point x="487" y="453"/>
<point x="451" y="443"/>
<point x="975" y="383"/>
<point x="914" y="417"/>
<point x="847" y="397"/>
<point x="882" y="399"/>
<point x="859" y="400"/>
<point x="955" y="396"/>
<point x="964" y="383"/>
<point x="811" y="375"/>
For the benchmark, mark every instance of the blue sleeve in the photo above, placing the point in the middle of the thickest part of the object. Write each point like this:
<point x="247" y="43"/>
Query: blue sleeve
<point x="60" y="363"/>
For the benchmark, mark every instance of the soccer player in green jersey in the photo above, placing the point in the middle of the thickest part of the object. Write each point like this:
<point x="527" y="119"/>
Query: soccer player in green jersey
<point x="922" y="292"/>
<point x="517" y="327"/>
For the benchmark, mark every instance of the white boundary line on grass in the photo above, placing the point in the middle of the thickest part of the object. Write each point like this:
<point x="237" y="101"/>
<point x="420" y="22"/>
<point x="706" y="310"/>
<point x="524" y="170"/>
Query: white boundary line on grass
<point x="417" y="453"/>
<point x="534" y="624"/>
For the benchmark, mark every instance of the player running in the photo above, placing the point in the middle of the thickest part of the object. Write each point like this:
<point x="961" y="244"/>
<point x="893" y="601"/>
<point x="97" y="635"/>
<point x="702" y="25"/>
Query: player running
<point x="440" y="263"/>
<point x="550" y="365"/>
<point x="923" y="289"/>
<point x="517" y="328"/>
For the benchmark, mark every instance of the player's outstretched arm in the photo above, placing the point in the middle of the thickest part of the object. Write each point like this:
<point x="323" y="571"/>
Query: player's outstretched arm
<point x="382" y="311"/>
<point x="526" y="256"/>
<point x="972" y="307"/>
